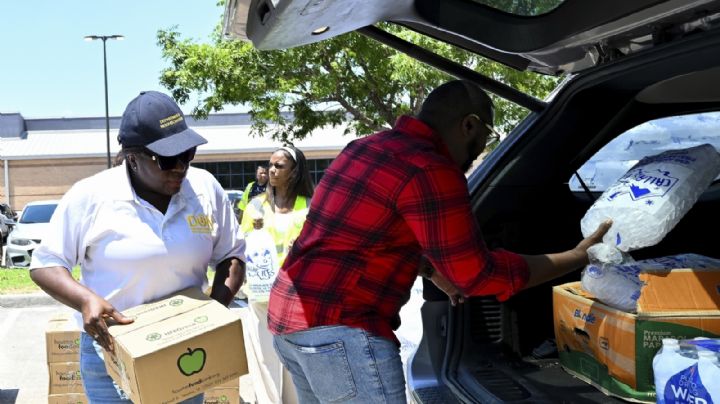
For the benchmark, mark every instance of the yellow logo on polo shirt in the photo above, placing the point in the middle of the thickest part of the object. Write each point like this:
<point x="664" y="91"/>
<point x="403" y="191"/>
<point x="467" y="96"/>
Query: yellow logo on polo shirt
<point x="200" y="223"/>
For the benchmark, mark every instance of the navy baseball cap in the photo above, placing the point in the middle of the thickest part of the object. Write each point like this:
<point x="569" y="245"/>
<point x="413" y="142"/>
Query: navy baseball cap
<point x="154" y="120"/>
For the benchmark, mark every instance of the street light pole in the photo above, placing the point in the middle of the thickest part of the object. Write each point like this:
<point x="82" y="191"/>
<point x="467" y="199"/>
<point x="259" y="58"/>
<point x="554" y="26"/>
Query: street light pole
<point x="104" y="39"/>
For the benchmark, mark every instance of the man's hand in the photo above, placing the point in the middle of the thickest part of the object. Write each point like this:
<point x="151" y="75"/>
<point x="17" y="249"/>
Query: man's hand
<point x="594" y="238"/>
<point x="546" y="267"/>
<point x="446" y="286"/>
<point x="96" y="312"/>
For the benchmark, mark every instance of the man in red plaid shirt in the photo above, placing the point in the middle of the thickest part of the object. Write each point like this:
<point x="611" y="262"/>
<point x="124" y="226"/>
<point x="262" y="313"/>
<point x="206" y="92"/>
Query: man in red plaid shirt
<point x="385" y="201"/>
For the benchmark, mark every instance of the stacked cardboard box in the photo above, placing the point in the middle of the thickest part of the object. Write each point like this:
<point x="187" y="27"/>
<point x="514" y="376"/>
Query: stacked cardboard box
<point x="612" y="349"/>
<point x="62" y="343"/>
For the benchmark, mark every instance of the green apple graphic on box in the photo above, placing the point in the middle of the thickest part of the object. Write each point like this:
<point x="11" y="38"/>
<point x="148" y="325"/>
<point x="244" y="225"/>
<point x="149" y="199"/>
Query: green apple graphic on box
<point x="192" y="361"/>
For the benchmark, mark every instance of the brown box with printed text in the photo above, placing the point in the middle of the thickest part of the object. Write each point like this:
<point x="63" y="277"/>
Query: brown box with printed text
<point x="177" y="348"/>
<point x="62" y="339"/>
<point x="64" y="378"/>
<point x="612" y="349"/>
<point x="223" y="395"/>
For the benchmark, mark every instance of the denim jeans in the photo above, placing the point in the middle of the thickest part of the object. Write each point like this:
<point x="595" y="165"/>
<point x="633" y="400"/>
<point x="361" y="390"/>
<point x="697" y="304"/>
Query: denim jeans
<point x="342" y="364"/>
<point x="99" y="386"/>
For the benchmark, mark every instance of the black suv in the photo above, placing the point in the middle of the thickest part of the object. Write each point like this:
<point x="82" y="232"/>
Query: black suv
<point x="641" y="77"/>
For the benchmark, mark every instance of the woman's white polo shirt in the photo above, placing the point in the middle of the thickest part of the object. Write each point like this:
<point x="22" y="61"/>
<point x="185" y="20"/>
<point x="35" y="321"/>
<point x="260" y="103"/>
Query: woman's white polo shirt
<point x="129" y="252"/>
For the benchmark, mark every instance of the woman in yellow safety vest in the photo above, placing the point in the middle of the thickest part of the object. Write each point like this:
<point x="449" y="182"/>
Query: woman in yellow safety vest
<point x="281" y="212"/>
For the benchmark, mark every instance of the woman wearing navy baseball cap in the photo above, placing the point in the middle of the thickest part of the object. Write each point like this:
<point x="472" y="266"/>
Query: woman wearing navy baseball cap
<point x="139" y="231"/>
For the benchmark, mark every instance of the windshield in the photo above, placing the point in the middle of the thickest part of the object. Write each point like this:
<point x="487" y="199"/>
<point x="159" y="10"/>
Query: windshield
<point x="37" y="213"/>
<point x="522" y="7"/>
<point x="647" y="139"/>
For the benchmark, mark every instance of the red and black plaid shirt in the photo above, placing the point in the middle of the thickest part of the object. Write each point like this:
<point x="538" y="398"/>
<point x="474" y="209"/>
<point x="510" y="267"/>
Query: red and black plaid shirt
<point x="386" y="200"/>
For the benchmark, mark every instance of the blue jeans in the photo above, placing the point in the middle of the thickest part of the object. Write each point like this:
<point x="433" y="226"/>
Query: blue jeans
<point x="342" y="364"/>
<point x="99" y="386"/>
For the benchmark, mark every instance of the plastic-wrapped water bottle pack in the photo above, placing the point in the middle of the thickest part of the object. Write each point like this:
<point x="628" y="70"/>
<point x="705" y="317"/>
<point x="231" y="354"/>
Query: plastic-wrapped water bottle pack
<point x="688" y="371"/>
<point x="613" y="277"/>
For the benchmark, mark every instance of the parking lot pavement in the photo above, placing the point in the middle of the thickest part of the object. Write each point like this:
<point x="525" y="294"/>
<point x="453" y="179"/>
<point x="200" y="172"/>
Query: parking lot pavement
<point x="23" y="364"/>
<point x="24" y="373"/>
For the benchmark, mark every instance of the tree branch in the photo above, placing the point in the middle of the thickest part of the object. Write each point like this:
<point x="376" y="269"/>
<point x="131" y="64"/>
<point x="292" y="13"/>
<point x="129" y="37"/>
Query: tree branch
<point x="359" y="116"/>
<point x="355" y="112"/>
<point x="386" y="112"/>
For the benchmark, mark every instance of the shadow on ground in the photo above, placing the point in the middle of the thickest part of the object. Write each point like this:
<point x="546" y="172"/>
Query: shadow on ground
<point x="8" y="396"/>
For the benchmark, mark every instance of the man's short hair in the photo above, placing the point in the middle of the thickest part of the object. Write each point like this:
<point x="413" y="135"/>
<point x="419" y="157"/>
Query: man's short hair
<point x="456" y="99"/>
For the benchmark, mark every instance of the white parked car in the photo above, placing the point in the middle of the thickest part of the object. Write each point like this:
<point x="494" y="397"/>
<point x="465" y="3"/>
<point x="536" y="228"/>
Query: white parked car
<point x="28" y="232"/>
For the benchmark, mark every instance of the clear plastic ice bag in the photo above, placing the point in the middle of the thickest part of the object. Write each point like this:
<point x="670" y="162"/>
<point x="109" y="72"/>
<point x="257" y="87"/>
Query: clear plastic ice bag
<point x="651" y="198"/>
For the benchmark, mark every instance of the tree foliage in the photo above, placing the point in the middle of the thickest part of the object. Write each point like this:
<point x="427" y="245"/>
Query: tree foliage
<point x="349" y="79"/>
<point x="524" y="7"/>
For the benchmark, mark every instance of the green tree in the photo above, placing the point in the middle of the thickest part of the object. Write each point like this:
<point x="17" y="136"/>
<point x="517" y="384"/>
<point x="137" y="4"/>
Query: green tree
<point x="523" y="7"/>
<point x="348" y="79"/>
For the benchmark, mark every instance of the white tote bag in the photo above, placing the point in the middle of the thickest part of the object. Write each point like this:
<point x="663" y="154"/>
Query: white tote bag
<point x="261" y="264"/>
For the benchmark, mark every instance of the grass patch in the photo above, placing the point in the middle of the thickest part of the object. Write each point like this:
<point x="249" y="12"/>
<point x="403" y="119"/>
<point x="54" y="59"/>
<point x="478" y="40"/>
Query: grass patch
<point x="17" y="280"/>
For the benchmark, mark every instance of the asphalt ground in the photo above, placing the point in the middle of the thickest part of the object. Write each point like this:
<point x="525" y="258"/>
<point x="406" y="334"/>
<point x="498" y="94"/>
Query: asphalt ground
<point x="23" y="364"/>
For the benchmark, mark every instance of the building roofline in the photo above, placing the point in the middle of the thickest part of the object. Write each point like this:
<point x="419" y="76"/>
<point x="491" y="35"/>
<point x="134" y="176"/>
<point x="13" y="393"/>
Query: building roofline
<point x="199" y="153"/>
<point x="14" y="125"/>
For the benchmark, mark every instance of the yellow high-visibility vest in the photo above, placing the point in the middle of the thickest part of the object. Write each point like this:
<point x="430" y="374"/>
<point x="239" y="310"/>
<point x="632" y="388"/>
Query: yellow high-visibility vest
<point x="242" y="203"/>
<point x="283" y="240"/>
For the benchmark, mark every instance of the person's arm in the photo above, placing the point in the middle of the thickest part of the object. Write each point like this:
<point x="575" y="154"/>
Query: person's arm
<point x="95" y="310"/>
<point x="61" y="247"/>
<point x="436" y="206"/>
<point x="229" y="276"/>
<point x="546" y="267"/>
<point x="228" y="251"/>
<point x="441" y="282"/>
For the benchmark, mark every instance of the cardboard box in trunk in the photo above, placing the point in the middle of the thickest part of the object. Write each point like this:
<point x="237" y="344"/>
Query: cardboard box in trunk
<point x="62" y="339"/>
<point x="177" y="348"/>
<point x="612" y="349"/>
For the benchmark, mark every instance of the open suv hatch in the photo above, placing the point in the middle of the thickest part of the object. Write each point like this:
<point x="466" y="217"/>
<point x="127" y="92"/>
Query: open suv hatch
<point x="642" y="77"/>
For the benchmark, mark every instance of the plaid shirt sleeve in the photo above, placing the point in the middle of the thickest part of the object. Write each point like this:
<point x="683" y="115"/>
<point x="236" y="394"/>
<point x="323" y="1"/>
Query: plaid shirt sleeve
<point x="436" y="206"/>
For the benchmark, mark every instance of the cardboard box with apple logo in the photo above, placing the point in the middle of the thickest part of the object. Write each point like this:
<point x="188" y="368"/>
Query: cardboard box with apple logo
<point x="177" y="348"/>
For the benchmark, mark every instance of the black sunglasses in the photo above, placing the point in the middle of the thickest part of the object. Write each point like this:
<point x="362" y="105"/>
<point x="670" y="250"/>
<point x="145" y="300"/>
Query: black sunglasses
<point x="170" y="162"/>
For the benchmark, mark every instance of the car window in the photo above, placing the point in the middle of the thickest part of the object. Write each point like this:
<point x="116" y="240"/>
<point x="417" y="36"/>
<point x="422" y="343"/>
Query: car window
<point x="37" y="213"/>
<point x="653" y="137"/>
<point x="522" y="7"/>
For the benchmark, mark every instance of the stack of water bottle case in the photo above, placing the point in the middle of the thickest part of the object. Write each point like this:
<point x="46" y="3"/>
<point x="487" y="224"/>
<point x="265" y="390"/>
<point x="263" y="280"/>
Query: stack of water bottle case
<point x="610" y="327"/>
